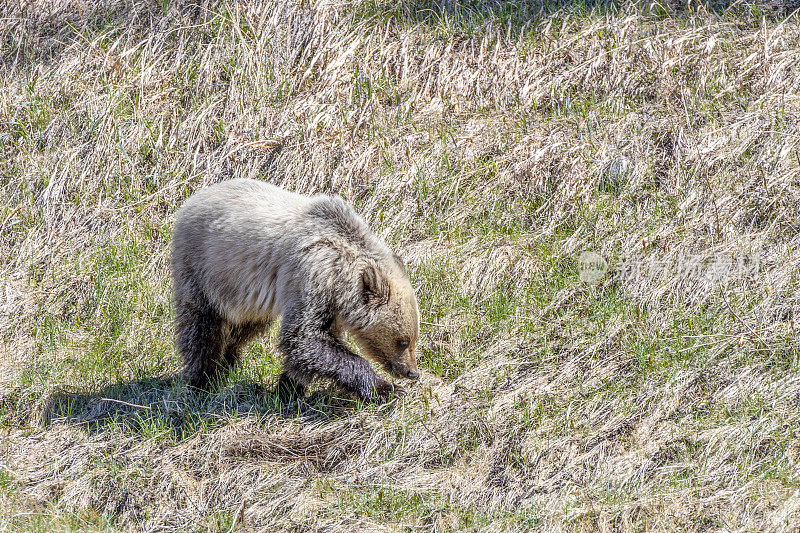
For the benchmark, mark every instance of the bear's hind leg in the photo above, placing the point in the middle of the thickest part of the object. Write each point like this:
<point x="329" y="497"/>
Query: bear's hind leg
<point x="202" y="335"/>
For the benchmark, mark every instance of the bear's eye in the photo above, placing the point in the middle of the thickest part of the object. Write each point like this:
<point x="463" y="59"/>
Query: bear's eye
<point x="403" y="344"/>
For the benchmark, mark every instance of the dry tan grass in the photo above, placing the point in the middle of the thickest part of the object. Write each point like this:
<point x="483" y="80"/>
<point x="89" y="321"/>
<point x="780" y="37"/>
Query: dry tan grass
<point x="485" y="143"/>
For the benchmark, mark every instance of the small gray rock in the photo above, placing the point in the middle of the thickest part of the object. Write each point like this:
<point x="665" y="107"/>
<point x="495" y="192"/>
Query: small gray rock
<point x="615" y="174"/>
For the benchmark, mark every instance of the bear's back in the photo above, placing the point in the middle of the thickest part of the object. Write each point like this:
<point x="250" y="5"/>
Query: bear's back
<point x="244" y="243"/>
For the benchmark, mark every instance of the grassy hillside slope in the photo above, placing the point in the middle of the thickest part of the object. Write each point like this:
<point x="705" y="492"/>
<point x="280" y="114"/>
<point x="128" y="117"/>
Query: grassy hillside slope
<point x="490" y="144"/>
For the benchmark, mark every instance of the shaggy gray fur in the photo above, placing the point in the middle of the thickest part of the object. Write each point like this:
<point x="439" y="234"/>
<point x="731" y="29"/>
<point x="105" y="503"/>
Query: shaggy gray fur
<point x="246" y="252"/>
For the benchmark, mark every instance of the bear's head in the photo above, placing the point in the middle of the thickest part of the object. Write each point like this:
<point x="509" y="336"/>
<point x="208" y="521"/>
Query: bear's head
<point x="389" y="334"/>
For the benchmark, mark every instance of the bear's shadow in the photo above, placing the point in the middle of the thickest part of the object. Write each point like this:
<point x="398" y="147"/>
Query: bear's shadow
<point x="165" y="405"/>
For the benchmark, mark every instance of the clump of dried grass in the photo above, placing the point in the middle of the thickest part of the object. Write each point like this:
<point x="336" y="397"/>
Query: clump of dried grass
<point x="479" y="143"/>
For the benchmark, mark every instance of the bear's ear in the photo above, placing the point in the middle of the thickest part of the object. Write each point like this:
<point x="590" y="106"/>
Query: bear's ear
<point x="374" y="286"/>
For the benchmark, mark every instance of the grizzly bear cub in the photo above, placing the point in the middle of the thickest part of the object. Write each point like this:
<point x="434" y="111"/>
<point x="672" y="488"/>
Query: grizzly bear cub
<point x="245" y="252"/>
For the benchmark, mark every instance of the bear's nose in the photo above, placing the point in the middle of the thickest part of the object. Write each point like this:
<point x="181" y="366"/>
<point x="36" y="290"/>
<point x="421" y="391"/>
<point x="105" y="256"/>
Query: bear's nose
<point x="412" y="374"/>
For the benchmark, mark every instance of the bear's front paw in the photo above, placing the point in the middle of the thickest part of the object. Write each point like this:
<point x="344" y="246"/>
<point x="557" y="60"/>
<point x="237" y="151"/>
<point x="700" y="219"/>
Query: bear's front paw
<point x="384" y="389"/>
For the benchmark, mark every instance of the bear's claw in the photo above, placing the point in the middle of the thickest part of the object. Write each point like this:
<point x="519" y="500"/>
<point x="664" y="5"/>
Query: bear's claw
<point x="384" y="389"/>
